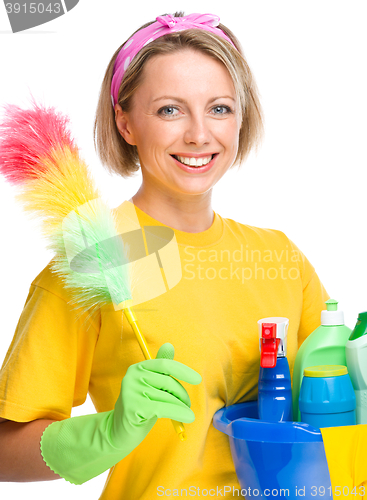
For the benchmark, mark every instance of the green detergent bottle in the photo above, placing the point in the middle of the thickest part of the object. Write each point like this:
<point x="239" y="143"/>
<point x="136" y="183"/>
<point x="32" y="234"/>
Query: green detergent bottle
<point x="356" y="356"/>
<point x="324" y="346"/>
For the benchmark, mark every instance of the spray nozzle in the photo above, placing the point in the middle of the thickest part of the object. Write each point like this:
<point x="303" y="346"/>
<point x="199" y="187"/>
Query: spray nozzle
<point x="268" y="345"/>
<point x="273" y="340"/>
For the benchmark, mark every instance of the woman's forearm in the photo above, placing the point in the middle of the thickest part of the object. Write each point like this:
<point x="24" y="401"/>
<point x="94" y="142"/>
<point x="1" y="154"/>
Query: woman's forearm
<point x="20" y="455"/>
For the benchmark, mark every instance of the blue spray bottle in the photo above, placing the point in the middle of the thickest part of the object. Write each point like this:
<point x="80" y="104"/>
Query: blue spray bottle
<point x="275" y="390"/>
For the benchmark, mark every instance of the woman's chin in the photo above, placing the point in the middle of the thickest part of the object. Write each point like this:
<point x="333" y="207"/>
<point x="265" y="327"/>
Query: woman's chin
<point x="194" y="189"/>
<point x="192" y="186"/>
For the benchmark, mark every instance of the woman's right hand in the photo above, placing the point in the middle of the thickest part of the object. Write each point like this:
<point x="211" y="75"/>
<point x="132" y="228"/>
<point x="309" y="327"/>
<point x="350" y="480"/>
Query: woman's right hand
<point x="149" y="392"/>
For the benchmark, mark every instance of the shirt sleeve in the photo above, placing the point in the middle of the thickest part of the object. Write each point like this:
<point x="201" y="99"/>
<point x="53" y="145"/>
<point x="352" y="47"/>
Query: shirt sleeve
<point x="314" y="296"/>
<point x="46" y="370"/>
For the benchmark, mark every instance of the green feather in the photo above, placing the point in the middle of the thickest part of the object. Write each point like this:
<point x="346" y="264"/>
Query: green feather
<point x="91" y="258"/>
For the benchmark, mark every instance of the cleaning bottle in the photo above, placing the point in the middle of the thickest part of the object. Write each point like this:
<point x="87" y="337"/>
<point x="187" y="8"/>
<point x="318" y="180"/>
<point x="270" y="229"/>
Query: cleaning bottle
<point x="356" y="356"/>
<point x="324" y="346"/>
<point x="275" y="392"/>
<point x="327" y="397"/>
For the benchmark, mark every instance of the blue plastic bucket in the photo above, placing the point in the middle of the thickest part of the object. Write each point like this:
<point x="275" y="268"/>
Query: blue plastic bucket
<point x="274" y="459"/>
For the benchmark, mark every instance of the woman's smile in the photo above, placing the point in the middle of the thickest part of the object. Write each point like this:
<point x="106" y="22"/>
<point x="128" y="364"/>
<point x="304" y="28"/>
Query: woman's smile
<point x="195" y="165"/>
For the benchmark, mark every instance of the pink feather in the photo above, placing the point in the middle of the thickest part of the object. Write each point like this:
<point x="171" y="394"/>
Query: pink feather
<point x="27" y="137"/>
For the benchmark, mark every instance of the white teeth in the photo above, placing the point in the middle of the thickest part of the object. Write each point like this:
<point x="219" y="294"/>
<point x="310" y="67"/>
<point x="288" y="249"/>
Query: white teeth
<point x="194" y="162"/>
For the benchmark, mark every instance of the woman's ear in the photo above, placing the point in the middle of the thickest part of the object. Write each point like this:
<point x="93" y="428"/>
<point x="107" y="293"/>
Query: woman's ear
<point x="123" y="125"/>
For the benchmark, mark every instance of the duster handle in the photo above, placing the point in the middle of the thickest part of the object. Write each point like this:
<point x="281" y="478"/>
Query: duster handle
<point x="131" y="318"/>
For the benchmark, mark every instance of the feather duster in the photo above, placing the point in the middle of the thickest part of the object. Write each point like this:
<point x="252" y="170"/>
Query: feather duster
<point x="39" y="157"/>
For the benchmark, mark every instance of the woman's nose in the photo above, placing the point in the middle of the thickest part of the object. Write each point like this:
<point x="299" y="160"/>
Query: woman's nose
<point x="197" y="131"/>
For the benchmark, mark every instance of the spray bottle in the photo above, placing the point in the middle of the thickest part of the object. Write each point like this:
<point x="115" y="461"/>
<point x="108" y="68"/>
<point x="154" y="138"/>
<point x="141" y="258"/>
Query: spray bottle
<point x="356" y="356"/>
<point x="324" y="346"/>
<point x="275" y="393"/>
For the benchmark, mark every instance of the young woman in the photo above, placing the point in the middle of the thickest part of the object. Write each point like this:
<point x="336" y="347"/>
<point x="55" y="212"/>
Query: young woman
<point x="184" y="110"/>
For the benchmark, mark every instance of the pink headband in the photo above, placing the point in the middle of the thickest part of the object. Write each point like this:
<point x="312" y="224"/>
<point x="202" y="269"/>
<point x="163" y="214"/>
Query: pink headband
<point x="162" y="26"/>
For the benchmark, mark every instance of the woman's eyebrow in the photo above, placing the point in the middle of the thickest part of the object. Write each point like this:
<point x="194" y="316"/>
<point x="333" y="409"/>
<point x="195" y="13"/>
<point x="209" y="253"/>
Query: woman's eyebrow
<point x="178" y="99"/>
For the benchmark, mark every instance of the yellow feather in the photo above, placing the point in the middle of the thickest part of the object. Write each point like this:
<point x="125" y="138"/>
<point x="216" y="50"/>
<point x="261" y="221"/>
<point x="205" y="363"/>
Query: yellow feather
<point x="59" y="190"/>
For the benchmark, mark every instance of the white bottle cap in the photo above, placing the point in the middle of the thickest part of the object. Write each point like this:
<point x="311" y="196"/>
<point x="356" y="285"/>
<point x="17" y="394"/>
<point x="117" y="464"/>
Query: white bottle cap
<point x="332" y="317"/>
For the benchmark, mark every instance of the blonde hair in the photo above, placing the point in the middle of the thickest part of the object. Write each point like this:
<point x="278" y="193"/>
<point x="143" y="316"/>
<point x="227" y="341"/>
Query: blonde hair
<point x="120" y="157"/>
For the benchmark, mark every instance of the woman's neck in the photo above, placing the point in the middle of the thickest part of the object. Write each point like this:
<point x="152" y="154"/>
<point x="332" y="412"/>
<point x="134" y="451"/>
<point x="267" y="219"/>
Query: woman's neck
<point x="191" y="214"/>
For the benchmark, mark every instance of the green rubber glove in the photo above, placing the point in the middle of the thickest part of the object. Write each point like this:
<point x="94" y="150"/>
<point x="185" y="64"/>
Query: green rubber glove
<point x="80" y="448"/>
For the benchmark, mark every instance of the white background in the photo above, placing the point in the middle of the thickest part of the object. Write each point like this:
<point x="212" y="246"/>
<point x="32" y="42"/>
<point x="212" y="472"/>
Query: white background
<point x="308" y="179"/>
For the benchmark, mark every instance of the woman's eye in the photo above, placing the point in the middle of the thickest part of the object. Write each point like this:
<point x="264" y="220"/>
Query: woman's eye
<point x="222" y="110"/>
<point x="168" y="111"/>
<point x="172" y="111"/>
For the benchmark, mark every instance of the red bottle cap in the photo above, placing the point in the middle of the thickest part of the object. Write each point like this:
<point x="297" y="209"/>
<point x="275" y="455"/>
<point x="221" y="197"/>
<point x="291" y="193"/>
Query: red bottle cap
<point x="269" y="345"/>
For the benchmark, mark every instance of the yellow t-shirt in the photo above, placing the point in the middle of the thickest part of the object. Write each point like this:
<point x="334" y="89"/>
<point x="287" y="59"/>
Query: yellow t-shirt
<point x="232" y="276"/>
